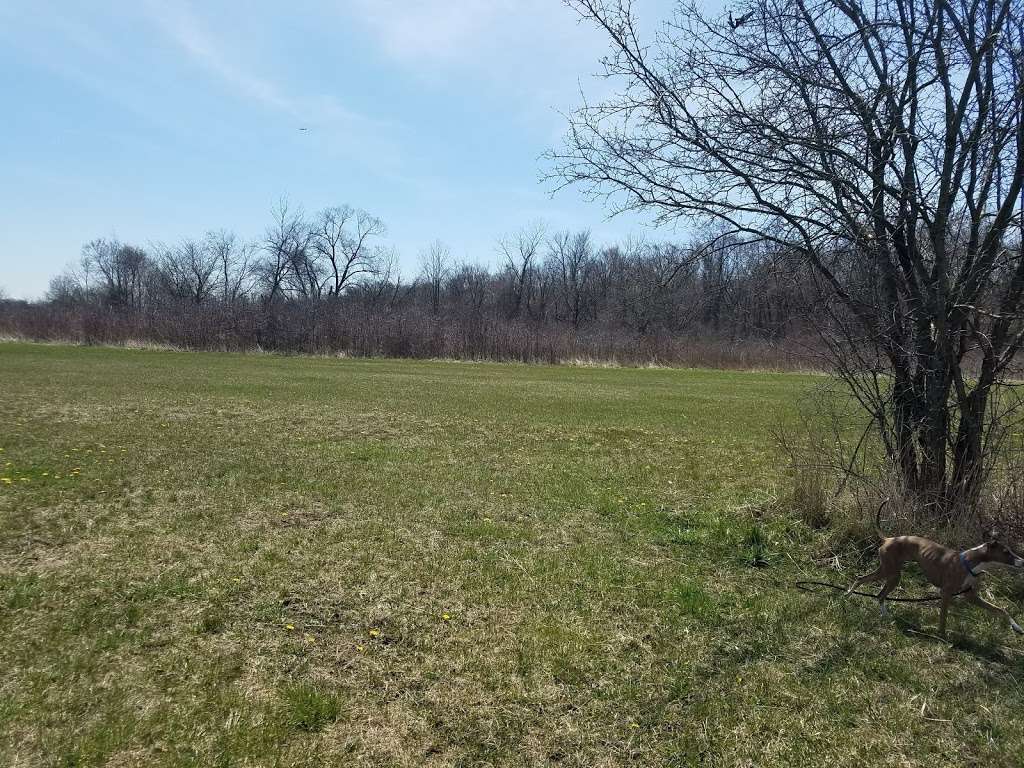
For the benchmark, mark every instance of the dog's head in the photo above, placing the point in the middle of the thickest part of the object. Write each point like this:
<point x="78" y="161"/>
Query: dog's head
<point x="996" y="551"/>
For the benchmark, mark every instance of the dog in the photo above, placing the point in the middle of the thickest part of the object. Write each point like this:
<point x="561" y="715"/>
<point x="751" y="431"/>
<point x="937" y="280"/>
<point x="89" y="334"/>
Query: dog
<point x="952" y="571"/>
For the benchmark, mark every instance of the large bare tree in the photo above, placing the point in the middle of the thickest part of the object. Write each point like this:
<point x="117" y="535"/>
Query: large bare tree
<point x="881" y="145"/>
<point x="343" y="237"/>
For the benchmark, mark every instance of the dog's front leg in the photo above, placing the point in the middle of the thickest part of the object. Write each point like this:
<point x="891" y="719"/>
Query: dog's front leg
<point x="946" y="597"/>
<point x="979" y="601"/>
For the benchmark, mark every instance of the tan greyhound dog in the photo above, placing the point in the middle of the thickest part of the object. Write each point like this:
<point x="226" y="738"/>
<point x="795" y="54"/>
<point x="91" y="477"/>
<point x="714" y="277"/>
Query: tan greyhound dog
<point x="951" y="571"/>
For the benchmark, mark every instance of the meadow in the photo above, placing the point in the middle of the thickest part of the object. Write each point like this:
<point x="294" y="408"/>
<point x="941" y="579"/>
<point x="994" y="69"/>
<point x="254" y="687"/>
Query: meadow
<point x="249" y="560"/>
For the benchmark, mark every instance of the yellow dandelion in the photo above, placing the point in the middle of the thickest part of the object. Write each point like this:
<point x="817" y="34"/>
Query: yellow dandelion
<point x="374" y="633"/>
<point x="445" y="617"/>
<point x="360" y="648"/>
<point x="289" y="627"/>
<point x="634" y="725"/>
<point x="310" y="639"/>
<point x="6" y="480"/>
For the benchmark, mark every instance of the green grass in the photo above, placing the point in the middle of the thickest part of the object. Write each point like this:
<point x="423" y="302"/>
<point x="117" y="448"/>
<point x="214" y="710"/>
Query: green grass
<point x="269" y="561"/>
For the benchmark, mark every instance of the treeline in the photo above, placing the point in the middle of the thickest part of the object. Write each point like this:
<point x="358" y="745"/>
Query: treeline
<point x="329" y="284"/>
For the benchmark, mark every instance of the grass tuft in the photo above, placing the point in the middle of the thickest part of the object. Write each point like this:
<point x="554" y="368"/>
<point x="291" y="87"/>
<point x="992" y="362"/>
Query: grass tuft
<point x="310" y="707"/>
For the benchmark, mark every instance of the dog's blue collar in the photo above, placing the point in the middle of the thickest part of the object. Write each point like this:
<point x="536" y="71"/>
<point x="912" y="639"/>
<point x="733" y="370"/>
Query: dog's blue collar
<point x="967" y="565"/>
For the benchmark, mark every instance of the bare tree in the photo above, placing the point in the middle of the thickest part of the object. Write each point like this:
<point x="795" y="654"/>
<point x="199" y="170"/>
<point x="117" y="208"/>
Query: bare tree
<point x="188" y="270"/>
<point x="284" y="249"/>
<point x="654" y="292"/>
<point x="572" y="256"/>
<point x="882" y="146"/>
<point x="121" y="270"/>
<point x="718" y="265"/>
<point x="233" y="260"/>
<point x="469" y="286"/>
<point x="520" y="251"/>
<point x="435" y="267"/>
<point x="386" y="286"/>
<point x="306" y="274"/>
<point x="349" y="252"/>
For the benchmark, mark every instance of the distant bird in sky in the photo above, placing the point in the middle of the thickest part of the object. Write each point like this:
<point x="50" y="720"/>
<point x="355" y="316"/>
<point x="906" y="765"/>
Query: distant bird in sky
<point x="734" y="23"/>
<point x="304" y="129"/>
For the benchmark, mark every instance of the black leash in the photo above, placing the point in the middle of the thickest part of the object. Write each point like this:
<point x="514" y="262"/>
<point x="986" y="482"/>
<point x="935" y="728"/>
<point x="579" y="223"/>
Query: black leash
<point x="809" y="586"/>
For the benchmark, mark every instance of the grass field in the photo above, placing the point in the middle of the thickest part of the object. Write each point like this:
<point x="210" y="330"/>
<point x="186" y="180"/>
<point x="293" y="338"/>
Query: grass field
<point x="221" y="560"/>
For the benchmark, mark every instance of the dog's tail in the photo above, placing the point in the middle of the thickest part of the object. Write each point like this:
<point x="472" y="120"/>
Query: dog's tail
<point x="878" y="518"/>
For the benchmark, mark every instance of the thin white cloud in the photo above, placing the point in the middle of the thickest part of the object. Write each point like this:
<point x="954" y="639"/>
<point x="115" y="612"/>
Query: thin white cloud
<point x="439" y="30"/>
<point x="480" y="32"/>
<point x="179" y="22"/>
<point x="356" y="132"/>
<point x="532" y="52"/>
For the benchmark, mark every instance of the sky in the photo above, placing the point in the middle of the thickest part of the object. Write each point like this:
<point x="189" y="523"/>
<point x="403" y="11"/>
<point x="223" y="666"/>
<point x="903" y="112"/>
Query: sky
<point x="153" y="120"/>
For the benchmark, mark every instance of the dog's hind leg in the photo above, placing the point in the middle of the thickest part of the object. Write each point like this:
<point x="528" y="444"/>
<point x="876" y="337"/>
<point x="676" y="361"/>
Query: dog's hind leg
<point x="978" y="600"/>
<point x="890" y="584"/>
<point x="875" y="575"/>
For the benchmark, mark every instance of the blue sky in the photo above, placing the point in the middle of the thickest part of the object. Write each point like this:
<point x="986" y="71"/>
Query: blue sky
<point x="150" y="120"/>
